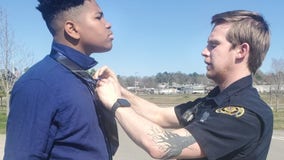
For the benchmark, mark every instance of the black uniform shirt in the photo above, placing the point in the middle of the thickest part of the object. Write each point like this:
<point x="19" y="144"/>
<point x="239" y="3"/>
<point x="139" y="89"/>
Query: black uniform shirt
<point x="233" y="124"/>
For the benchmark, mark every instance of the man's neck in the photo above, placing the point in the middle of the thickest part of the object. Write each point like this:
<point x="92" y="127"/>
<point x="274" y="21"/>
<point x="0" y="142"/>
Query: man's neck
<point x="230" y="80"/>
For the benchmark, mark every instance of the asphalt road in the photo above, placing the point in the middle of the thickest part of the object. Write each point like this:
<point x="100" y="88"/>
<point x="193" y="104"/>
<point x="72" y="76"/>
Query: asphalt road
<point x="129" y="151"/>
<point x="277" y="146"/>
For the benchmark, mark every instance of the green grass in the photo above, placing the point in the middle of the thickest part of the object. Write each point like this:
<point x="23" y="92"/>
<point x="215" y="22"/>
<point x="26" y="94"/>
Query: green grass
<point x="170" y="100"/>
<point x="3" y="120"/>
<point x="279" y="120"/>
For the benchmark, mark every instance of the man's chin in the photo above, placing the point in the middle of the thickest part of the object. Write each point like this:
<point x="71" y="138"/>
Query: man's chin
<point x="103" y="49"/>
<point x="208" y="75"/>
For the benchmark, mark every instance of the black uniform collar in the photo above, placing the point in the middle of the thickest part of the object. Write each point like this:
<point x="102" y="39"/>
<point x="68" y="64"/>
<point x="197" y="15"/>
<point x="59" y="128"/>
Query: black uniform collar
<point x="234" y="88"/>
<point x="84" y="61"/>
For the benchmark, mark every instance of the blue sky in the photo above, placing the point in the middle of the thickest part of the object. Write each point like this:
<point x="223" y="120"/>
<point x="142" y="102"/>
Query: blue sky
<point x="151" y="36"/>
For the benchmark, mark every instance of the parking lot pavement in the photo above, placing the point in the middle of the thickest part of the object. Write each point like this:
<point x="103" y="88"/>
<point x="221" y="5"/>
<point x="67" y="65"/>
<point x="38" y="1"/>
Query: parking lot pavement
<point x="277" y="146"/>
<point x="2" y="144"/>
<point x="278" y="134"/>
<point x="128" y="150"/>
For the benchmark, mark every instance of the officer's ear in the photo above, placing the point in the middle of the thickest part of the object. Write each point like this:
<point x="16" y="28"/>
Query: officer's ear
<point x="243" y="51"/>
<point x="71" y="29"/>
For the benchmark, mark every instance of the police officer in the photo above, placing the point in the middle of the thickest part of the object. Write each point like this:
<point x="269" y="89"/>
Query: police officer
<point x="231" y="122"/>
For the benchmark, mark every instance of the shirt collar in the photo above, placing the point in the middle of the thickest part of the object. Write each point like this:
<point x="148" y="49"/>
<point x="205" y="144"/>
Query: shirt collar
<point x="220" y="97"/>
<point x="84" y="61"/>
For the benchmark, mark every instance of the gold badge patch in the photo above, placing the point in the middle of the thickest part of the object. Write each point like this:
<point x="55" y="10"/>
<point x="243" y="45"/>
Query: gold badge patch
<point x="231" y="110"/>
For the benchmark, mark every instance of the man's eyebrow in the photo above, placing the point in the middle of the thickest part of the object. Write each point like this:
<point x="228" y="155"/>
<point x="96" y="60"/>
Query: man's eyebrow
<point x="213" y="41"/>
<point x="100" y="13"/>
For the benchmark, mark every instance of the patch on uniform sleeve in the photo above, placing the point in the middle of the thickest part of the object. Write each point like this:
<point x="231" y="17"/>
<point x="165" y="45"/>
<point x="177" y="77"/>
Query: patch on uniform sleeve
<point x="231" y="110"/>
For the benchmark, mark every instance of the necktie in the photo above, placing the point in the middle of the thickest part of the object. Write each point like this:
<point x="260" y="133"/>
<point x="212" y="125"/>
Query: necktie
<point x="105" y="117"/>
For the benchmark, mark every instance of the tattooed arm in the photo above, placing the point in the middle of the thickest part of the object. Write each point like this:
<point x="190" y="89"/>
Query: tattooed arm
<point x="158" y="142"/>
<point x="163" y="116"/>
<point x="172" y="144"/>
<point x="146" y="131"/>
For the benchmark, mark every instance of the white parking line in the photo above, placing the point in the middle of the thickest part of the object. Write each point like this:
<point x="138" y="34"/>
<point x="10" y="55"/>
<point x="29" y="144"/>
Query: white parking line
<point x="278" y="138"/>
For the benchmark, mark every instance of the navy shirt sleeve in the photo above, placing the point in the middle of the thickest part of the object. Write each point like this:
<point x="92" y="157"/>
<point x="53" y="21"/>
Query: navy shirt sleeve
<point x="30" y="129"/>
<point x="53" y="115"/>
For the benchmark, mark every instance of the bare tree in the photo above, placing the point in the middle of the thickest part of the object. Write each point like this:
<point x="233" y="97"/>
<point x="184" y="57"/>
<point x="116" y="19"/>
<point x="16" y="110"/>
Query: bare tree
<point x="6" y="52"/>
<point x="9" y="72"/>
<point x="277" y="80"/>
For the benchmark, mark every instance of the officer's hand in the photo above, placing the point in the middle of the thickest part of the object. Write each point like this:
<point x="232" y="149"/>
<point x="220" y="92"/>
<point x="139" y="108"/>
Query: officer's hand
<point x="108" y="88"/>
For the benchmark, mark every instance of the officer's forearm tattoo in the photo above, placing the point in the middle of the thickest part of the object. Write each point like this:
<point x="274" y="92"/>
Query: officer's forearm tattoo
<point x="170" y="143"/>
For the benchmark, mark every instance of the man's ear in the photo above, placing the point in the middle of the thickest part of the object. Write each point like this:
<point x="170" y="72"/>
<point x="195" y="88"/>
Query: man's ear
<point x="71" y="30"/>
<point x="243" y="50"/>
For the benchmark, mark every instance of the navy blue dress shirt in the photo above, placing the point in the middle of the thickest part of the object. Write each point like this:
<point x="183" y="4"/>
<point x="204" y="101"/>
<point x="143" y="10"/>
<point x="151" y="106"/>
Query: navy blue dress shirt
<point x="52" y="114"/>
<point x="233" y="124"/>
